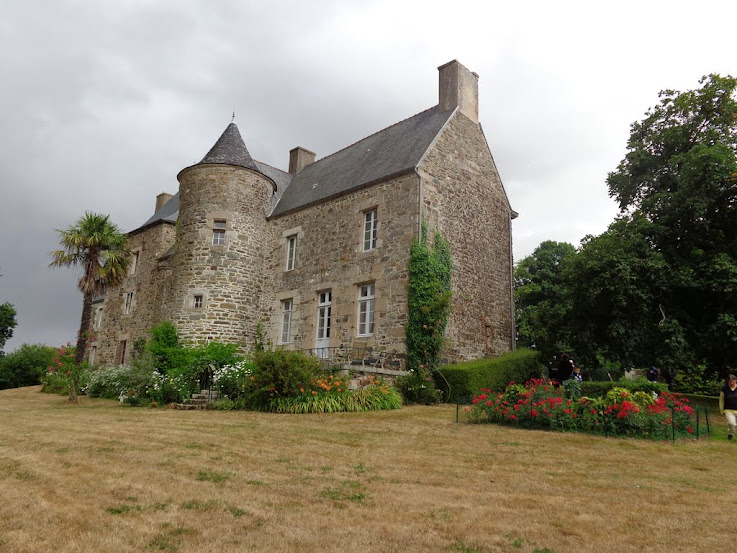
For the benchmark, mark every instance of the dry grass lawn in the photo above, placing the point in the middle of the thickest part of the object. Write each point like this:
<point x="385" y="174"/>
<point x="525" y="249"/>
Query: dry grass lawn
<point x="104" y="477"/>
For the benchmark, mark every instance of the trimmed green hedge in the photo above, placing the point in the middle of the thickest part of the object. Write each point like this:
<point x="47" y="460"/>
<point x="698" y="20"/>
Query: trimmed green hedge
<point x="462" y="380"/>
<point x="600" y="388"/>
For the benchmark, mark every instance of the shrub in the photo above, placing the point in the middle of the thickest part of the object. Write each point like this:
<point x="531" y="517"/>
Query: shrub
<point x="696" y="380"/>
<point x="281" y="373"/>
<point x="236" y="381"/>
<point x="63" y="375"/>
<point x="127" y="383"/>
<point x="599" y="389"/>
<point x="25" y="366"/>
<point x="465" y="379"/>
<point x="330" y="395"/>
<point x="619" y="412"/>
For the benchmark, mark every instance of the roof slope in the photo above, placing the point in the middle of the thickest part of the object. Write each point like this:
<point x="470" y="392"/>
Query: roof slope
<point x="230" y="150"/>
<point x="391" y="151"/>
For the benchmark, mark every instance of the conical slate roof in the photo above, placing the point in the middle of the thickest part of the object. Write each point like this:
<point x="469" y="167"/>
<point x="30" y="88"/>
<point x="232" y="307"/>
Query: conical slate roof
<point x="230" y="150"/>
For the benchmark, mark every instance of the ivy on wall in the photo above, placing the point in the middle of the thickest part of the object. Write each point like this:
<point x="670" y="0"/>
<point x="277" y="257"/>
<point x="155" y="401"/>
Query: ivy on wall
<point x="428" y="303"/>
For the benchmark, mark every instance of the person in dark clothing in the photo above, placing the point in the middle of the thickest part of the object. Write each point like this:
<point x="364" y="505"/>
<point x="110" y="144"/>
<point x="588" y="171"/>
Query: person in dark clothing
<point x="562" y="371"/>
<point x="652" y="374"/>
<point x="728" y="404"/>
<point x="565" y="368"/>
<point x="576" y="374"/>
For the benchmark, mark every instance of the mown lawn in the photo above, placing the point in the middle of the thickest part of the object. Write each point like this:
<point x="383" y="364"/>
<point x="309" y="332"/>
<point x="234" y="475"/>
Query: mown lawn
<point x="104" y="477"/>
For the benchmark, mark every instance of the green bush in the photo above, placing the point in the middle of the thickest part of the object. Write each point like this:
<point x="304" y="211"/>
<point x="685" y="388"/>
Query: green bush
<point x="25" y="366"/>
<point x="126" y="383"/>
<point x="600" y="389"/>
<point x="465" y="379"/>
<point x="236" y="381"/>
<point x="281" y="373"/>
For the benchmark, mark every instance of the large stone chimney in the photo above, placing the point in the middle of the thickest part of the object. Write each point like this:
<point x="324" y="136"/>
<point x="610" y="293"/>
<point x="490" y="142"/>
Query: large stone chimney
<point x="161" y="200"/>
<point x="459" y="88"/>
<point x="299" y="158"/>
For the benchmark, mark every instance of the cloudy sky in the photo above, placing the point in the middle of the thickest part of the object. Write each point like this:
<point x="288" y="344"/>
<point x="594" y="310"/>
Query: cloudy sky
<point x="102" y="103"/>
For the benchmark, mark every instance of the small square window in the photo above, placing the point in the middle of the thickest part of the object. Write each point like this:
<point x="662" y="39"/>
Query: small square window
<point x="197" y="304"/>
<point x="218" y="232"/>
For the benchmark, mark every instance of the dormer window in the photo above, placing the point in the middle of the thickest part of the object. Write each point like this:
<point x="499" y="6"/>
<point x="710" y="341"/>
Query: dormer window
<point x="218" y="232"/>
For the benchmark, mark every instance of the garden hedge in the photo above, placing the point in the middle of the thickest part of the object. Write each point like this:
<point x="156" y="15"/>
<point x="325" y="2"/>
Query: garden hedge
<point x="600" y="388"/>
<point x="462" y="380"/>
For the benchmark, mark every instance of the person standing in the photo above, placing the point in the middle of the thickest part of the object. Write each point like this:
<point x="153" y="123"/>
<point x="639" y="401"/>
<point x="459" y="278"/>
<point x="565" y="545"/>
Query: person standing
<point x="576" y="374"/>
<point x="728" y="404"/>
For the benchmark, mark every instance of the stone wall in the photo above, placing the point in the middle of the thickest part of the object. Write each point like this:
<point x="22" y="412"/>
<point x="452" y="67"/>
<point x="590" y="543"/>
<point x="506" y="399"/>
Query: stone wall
<point x="462" y="195"/>
<point x="330" y="256"/>
<point x="145" y="283"/>
<point x="229" y="279"/>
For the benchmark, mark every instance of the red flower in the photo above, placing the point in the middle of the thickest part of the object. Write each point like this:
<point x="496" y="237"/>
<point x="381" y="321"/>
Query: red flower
<point x="689" y="430"/>
<point x="513" y="417"/>
<point x="534" y="413"/>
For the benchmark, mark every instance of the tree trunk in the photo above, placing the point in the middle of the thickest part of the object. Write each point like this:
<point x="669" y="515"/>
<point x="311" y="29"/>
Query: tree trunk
<point x="84" y="329"/>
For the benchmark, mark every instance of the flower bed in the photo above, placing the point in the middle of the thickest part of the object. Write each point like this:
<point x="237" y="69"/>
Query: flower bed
<point x="618" y="413"/>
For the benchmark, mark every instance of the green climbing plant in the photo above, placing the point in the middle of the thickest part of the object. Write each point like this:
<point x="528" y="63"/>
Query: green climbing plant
<point x="428" y="302"/>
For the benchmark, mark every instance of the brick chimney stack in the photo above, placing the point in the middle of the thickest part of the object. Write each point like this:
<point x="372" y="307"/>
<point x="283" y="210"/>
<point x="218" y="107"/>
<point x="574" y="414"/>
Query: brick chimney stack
<point x="299" y="158"/>
<point x="459" y="88"/>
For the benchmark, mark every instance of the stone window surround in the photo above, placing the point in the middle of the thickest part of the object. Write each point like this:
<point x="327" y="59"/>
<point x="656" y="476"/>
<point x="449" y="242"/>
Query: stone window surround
<point x="123" y="348"/>
<point x="135" y="258"/>
<point x="97" y="319"/>
<point x="370" y="302"/>
<point x="294" y="295"/>
<point x="190" y="300"/>
<point x="219" y="217"/>
<point x="285" y="328"/>
<point x="284" y="242"/>
<point x="364" y="219"/>
<point x="129" y="302"/>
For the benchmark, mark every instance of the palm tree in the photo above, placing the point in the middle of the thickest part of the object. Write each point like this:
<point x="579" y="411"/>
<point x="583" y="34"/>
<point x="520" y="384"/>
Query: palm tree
<point x="98" y="246"/>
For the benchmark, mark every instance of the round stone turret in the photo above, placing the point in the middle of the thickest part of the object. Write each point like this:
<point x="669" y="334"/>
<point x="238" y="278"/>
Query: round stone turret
<point x="218" y="274"/>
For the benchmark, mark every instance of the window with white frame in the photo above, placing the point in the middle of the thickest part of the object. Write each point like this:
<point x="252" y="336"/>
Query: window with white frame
<point x="218" y="232"/>
<point x="369" y="230"/>
<point x="128" y="305"/>
<point x="97" y="323"/>
<point x="291" y="251"/>
<point x="197" y="301"/>
<point x="286" y="321"/>
<point x="133" y="264"/>
<point x="366" y="309"/>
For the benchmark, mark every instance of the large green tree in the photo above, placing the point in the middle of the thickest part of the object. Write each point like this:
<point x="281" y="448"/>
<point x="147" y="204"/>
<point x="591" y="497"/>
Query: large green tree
<point x="97" y="246"/>
<point x="542" y="299"/>
<point x="680" y="174"/>
<point x="7" y="323"/>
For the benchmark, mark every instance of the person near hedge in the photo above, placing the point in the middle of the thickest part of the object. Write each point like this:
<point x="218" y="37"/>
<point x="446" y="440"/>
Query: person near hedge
<point x="576" y="374"/>
<point x="728" y="404"/>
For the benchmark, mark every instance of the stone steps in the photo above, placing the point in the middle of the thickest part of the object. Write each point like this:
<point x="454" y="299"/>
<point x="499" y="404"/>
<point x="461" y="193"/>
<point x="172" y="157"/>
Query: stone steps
<point x="199" y="401"/>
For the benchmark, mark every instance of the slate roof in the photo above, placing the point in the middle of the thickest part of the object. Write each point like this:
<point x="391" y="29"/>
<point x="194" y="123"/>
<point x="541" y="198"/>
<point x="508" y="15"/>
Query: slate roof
<point x="230" y="150"/>
<point x="391" y="151"/>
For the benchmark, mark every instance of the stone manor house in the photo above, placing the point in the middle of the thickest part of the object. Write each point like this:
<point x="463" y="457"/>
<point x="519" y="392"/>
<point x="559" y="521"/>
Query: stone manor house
<point x="318" y="255"/>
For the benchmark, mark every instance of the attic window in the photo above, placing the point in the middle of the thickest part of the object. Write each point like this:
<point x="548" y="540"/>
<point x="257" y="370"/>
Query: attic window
<point x="218" y="232"/>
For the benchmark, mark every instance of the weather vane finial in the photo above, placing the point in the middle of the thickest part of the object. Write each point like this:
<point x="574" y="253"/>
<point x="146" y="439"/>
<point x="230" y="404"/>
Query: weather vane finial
<point x="233" y="119"/>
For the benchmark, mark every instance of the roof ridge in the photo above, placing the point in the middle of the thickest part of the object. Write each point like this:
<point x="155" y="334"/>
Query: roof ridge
<point x="375" y="133"/>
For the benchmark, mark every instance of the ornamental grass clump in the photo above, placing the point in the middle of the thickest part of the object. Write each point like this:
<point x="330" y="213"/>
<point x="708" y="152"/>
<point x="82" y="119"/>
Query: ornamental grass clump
<point x="620" y="413"/>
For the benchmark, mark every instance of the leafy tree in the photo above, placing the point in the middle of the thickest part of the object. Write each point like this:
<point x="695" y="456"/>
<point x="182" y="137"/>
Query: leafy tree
<point x="680" y="174"/>
<point x="7" y="323"/>
<point x="97" y="246"/>
<point x="542" y="299"/>
<point x="618" y="282"/>
<point x="25" y="366"/>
